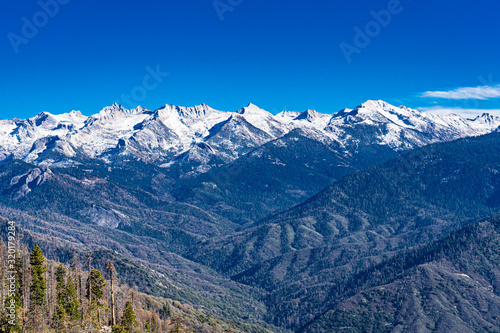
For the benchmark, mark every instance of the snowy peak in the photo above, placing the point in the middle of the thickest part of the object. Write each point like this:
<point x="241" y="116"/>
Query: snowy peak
<point x="115" y="118"/>
<point x="109" y="110"/>
<point x="287" y="116"/>
<point x="485" y="118"/>
<point x="252" y="109"/>
<point x="342" y="113"/>
<point x="374" y="105"/>
<point x="384" y="108"/>
<point x="117" y="109"/>
<point x="70" y="120"/>
<point x="192" y="112"/>
<point x="484" y="123"/>
<point x="402" y="128"/>
<point x="74" y="114"/>
<point x="376" y="113"/>
<point x="44" y="119"/>
<point x="263" y="120"/>
<point x="309" y="115"/>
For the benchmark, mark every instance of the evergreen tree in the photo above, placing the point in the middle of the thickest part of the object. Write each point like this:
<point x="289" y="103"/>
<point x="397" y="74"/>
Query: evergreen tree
<point x="128" y="318"/>
<point x="60" y="320"/>
<point x="54" y="305"/>
<point x="19" y="280"/>
<point x="37" y="290"/>
<point x="118" y="329"/>
<point x="61" y="285"/>
<point x="72" y="303"/>
<point x="60" y="315"/>
<point x="38" y="286"/>
<point x="166" y="311"/>
<point x="95" y="286"/>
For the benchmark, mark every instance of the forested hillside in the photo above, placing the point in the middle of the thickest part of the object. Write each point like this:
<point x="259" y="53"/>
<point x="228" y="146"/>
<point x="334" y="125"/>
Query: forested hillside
<point x="41" y="295"/>
<point x="357" y="222"/>
<point x="450" y="285"/>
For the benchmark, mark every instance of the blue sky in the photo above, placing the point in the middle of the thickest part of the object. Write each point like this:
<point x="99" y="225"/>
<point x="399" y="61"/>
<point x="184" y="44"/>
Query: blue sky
<point x="294" y="54"/>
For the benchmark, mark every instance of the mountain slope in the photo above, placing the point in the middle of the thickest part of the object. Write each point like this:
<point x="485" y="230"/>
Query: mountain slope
<point x="93" y="197"/>
<point x="360" y="220"/>
<point x="451" y="285"/>
<point x="71" y="211"/>
<point x="425" y="190"/>
<point x="270" y="178"/>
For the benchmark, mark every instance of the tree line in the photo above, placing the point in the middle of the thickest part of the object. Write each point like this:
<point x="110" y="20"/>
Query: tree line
<point x="41" y="295"/>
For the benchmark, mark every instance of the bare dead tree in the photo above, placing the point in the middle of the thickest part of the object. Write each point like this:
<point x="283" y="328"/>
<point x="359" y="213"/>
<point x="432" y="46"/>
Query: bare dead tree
<point x="112" y="273"/>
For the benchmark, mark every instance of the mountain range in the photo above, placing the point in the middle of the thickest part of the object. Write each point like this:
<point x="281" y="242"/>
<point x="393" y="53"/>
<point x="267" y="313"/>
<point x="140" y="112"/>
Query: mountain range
<point x="209" y="157"/>
<point x="204" y="137"/>
<point x="283" y="221"/>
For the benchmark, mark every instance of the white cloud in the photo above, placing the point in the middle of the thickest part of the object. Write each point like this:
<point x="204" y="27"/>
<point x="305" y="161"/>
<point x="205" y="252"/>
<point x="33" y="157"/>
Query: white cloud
<point x="467" y="113"/>
<point x="482" y="92"/>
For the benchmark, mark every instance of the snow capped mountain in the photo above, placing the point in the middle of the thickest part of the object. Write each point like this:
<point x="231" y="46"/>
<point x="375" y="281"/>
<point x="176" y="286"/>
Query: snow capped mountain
<point x="401" y="128"/>
<point x="263" y="120"/>
<point x="202" y="136"/>
<point x="21" y="138"/>
<point x="287" y="116"/>
<point x="170" y="131"/>
<point x="309" y="115"/>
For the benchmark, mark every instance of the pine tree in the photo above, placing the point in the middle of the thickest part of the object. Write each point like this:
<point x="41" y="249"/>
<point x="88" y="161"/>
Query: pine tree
<point x="38" y="286"/>
<point x="117" y="329"/>
<point x="61" y="285"/>
<point x="19" y="280"/>
<point x="60" y="320"/>
<point x="60" y="316"/>
<point x="37" y="290"/>
<point x="128" y="318"/>
<point x="95" y="286"/>
<point x="72" y="303"/>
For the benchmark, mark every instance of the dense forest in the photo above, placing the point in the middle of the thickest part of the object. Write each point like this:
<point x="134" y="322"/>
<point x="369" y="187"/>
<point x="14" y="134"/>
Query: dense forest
<point x="41" y="295"/>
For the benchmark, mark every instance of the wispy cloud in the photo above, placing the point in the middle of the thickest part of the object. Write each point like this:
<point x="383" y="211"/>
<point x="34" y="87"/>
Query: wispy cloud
<point x="467" y="113"/>
<point x="481" y="92"/>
